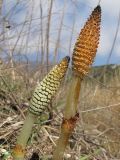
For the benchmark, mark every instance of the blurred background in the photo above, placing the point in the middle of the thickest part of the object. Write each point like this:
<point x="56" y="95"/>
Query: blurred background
<point x="45" y="31"/>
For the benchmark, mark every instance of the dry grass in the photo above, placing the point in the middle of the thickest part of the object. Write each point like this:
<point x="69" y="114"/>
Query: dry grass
<point x="96" y="135"/>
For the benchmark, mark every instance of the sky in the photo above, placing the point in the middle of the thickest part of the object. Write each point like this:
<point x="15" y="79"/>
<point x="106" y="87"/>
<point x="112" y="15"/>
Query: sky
<point x="76" y="11"/>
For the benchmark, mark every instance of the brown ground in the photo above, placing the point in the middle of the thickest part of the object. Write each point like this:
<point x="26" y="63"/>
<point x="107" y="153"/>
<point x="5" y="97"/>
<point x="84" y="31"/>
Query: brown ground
<point x="96" y="136"/>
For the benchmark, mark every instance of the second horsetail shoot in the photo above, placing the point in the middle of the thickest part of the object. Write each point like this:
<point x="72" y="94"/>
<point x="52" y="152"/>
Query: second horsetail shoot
<point x="41" y="98"/>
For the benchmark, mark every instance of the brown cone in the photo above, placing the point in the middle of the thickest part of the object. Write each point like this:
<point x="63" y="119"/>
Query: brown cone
<point x="87" y="43"/>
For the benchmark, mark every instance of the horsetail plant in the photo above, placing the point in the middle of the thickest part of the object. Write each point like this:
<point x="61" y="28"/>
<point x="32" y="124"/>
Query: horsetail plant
<point x="41" y="98"/>
<point x="83" y="55"/>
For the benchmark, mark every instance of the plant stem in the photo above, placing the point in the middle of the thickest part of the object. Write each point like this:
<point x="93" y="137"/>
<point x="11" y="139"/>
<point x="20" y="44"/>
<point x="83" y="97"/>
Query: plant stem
<point x="19" y="149"/>
<point x="73" y="97"/>
<point x="61" y="145"/>
<point x="70" y="117"/>
<point x="67" y="127"/>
